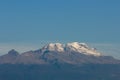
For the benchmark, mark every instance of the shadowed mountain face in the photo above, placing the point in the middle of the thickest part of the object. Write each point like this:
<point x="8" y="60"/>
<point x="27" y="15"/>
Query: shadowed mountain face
<point x="72" y="53"/>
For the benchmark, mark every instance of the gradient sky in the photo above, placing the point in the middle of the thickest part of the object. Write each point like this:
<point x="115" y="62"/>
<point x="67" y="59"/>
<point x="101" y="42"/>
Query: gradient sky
<point x="33" y="21"/>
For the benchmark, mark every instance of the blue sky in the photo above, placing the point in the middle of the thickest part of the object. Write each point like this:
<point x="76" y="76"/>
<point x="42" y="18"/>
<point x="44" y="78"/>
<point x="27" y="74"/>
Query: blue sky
<point x="34" y="21"/>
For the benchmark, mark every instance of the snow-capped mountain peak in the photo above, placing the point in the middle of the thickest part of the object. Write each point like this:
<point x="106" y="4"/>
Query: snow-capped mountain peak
<point x="55" y="47"/>
<point x="57" y="53"/>
<point x="77" y="45"/>
<point x="81" y="48"/>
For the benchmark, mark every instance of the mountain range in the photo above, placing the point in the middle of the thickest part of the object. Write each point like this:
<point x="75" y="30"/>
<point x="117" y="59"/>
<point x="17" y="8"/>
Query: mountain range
<point x="56" y="53"/>
<point x="55" y="61"/>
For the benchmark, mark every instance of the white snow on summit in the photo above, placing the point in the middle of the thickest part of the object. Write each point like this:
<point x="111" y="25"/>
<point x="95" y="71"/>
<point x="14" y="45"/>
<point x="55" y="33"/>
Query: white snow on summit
<point x="72" y="47"/>
<point x="55" y="47"/>
<point x="81" y="48"/>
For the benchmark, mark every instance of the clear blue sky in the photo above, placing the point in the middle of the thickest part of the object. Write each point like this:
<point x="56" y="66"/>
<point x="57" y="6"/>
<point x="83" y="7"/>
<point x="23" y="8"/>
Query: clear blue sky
<point x="30" y="21"/>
